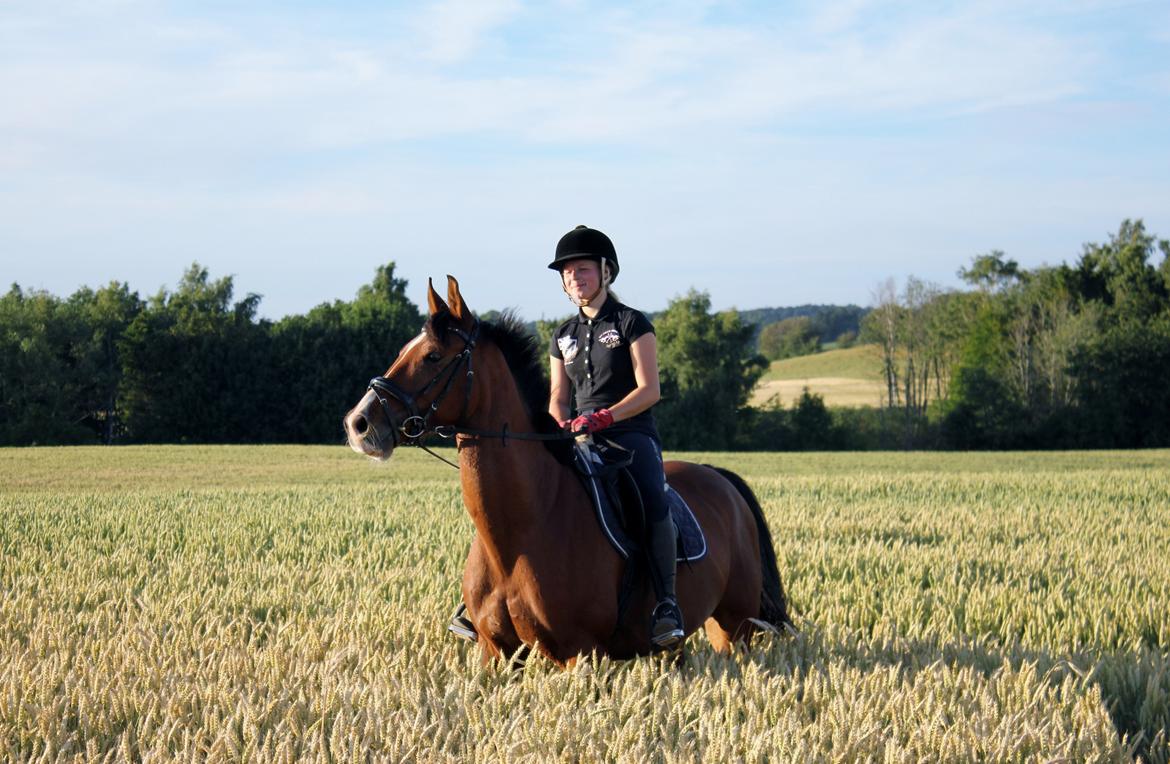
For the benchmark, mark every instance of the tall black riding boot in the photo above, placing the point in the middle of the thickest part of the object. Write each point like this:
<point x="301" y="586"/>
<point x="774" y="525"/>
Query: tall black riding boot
<point x="666" y="625"/>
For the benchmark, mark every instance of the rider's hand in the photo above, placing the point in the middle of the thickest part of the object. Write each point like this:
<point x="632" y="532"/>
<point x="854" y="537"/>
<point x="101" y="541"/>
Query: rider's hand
<point x="598" y="420"/>
<point x="565" y="424"/>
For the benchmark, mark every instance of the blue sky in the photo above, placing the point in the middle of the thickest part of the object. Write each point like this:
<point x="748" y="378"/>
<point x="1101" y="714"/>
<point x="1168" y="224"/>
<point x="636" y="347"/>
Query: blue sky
<point x="768" y="153"/>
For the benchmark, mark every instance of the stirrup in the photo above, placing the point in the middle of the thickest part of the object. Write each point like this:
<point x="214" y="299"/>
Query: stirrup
<point x="666" y="625"/>
<point x="461" y="626"/>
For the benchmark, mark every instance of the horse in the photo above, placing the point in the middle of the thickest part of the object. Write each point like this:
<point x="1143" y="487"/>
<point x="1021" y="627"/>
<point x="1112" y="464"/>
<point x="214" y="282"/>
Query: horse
<point x="540" y="573"/>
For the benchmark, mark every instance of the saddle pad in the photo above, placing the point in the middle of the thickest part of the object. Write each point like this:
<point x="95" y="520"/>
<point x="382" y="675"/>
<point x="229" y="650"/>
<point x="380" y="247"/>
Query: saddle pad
<point x="692" y="544"/>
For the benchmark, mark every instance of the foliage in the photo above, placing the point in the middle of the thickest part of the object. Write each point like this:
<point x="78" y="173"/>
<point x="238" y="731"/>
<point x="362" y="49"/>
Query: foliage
<point x="288" y="603"/>
<point x="1064" y="356"/>
<point x="707" y="372"/>
<point x="829" y="321"/>
<point x="846" y="340"/>
<point x="1122" y="377"/>
<point x="106" y="315"/>
<point x="788" y="338"/>
<point x="991" y="272"/>
<point x="190" y="365"/>
<point x="37" y="387"/>
<point x="1072" y="355"/>
<point x="324" y="359"/>
<point x="195" y="365"/>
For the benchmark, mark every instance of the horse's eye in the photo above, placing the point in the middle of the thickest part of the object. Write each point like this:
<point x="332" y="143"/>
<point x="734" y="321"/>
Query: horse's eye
<point x="434" y="357"/>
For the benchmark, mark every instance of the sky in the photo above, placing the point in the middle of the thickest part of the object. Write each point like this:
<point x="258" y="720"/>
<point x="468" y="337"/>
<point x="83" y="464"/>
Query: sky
<point x="767" y="153"/>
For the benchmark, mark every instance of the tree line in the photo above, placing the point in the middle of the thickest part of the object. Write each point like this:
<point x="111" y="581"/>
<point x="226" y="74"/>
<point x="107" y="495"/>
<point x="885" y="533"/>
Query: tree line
<point x="196" y="365"/>
<point x="1055" y="357"/>
<point x="1065" y="356"/>
<point x="788" y="332"/>
<point x="192" y="365"/>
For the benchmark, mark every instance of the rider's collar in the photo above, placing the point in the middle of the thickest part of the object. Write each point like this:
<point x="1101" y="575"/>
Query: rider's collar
<point x="611" y="305"/>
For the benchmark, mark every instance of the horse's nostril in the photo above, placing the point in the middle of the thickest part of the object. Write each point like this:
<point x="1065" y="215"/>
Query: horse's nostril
<point x="360" y="425"/>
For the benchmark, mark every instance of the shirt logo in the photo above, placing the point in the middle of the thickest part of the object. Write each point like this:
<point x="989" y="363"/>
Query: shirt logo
<point x="610" y="338"/>
<point x="568" y="347"/>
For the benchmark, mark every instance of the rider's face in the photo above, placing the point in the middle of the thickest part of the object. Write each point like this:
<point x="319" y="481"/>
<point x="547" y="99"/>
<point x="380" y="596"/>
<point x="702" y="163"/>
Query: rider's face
<point x="581" y="277"/>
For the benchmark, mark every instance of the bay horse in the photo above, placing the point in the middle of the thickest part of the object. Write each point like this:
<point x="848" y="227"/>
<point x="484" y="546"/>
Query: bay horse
<point x="540" y="572"/>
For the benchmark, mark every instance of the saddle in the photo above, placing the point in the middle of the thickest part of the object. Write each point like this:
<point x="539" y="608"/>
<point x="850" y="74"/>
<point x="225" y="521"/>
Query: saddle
<point x="601" y="465"/>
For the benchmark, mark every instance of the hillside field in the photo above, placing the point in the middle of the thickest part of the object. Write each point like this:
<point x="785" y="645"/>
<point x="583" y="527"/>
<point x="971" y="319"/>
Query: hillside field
<point x="289" y="603"/>
<point x="848" y="377"/>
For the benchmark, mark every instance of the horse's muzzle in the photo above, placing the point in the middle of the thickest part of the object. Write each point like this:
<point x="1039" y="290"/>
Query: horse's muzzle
<point x="362" y="431"/>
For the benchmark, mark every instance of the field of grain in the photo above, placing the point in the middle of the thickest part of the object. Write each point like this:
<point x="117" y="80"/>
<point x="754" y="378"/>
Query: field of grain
<point x="289" y="603"/>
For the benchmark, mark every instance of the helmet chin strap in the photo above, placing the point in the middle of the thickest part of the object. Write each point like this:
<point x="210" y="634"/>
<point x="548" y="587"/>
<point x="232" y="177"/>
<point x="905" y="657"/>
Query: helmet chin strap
<point x="584" y="302"/>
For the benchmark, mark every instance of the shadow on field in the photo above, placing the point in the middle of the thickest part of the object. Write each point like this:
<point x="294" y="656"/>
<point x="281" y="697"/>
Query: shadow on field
<point x="1134" y="684"/>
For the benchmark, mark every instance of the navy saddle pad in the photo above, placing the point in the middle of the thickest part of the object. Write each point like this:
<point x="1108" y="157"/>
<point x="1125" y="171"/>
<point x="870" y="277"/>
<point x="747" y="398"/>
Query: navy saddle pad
<point x="692" y="544"/>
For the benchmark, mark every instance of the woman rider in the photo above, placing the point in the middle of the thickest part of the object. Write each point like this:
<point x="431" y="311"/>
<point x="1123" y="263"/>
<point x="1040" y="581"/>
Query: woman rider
<point x="607" y="355"/>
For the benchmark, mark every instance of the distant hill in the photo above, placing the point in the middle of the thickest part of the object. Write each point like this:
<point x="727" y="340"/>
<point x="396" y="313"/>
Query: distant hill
<point x="831" y="320"/>
<point x="850" y="377"/>
<point x="859" y="362"/>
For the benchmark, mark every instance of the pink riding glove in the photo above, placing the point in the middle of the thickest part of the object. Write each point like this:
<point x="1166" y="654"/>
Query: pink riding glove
<point x="594" y="422"/>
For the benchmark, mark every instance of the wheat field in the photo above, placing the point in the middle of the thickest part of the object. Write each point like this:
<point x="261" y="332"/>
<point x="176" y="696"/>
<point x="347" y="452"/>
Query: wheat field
<point x="289" y="604"/>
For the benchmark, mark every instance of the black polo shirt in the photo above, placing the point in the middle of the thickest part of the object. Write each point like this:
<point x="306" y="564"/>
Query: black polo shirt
<point x="596" y="354"/>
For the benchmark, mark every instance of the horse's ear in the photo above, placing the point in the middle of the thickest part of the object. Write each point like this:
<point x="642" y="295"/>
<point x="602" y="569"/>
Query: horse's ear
<point x="434" y="302"/>
<point x="459" y="308"/>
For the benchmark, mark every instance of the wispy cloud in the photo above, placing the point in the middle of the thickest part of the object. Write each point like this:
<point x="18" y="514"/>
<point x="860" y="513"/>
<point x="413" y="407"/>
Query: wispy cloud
<point x="130" y="120"/>
<point x="641" y="79"/>
<point x="451" y="31"/>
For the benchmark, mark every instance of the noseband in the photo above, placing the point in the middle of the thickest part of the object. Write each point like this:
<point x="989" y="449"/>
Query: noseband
<point x="412" y="429"/>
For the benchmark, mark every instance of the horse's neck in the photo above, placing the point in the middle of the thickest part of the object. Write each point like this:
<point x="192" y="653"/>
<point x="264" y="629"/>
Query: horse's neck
<point x="510" y="487"/>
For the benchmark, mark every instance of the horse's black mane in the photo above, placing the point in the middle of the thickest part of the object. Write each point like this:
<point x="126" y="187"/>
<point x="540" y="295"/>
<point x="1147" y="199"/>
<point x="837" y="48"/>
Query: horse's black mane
<point x="527" y="363"/>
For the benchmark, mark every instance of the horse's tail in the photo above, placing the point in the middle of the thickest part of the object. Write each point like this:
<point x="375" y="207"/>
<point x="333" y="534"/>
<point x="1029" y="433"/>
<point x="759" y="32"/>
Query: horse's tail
<point x="773" y="603"/>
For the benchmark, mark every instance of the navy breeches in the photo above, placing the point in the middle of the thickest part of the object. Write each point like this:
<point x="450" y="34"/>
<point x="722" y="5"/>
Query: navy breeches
<point x="646" y="470"/>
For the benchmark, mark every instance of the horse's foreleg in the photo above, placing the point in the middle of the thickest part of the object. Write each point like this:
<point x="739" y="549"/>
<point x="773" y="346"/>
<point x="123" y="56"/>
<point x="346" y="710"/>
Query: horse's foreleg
<point x="486" y="608"/>
<point x="720" y="639"/>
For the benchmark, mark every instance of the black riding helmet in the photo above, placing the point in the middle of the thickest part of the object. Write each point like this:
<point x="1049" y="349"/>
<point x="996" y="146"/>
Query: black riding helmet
<point x="584" y="241"/>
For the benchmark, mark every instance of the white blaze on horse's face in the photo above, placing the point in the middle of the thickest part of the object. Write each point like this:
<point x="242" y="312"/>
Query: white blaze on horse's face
<point x="405" y="352"/>
<point x="366" y="428"/>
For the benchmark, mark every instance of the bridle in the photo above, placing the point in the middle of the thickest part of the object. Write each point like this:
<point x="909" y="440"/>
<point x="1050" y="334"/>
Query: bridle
<point x="416" y="427"/>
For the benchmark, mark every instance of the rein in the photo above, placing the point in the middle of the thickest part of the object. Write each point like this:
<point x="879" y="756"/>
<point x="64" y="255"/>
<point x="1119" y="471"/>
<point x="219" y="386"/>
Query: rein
<point x="415" y="428"/>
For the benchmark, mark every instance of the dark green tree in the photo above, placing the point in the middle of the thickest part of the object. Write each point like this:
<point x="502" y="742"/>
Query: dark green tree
<point x="325" y="358"/>
<point x="196" y="366"/>
<point x="846" y="339"/>
<point x="991" y="272"/>
<point x="1119" y="273"/>
<point x="1121" y="376"/>
<point x="707" y="372"/>
<point x="39" y="380"/>
<point x="105" y="316"/>
<point x="789" y="337"/>
<point x="812" y="424"/>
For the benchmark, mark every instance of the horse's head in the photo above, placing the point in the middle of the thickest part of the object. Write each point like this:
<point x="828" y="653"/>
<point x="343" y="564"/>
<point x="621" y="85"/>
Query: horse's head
<point x="429" y="383"/>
